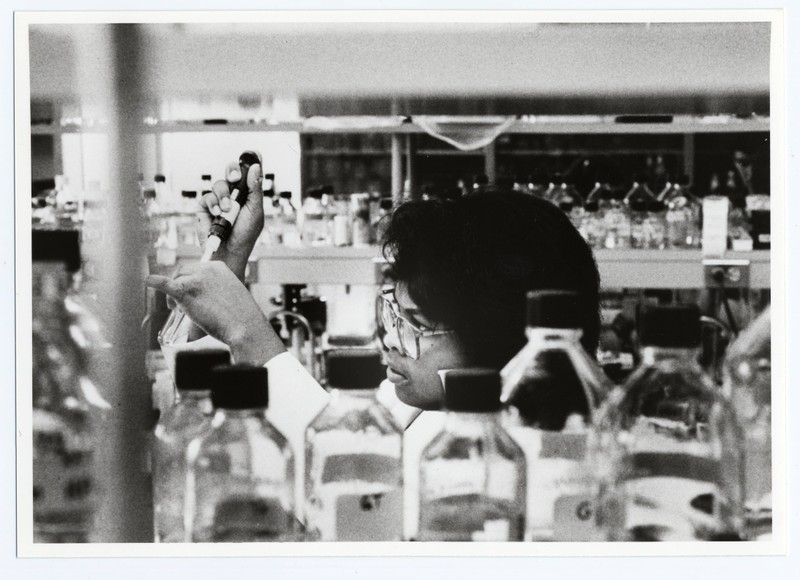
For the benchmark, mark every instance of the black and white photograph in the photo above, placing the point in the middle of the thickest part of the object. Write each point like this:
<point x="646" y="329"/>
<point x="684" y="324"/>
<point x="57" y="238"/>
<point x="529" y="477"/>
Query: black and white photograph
<point x="401" y="283"/>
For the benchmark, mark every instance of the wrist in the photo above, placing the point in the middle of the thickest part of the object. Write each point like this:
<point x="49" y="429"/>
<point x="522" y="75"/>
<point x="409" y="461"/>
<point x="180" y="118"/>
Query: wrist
<point x="236" y="263"/>
<point x="255" y="344"/>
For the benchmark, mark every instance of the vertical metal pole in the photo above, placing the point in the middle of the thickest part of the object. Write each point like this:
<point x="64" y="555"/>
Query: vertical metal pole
<point x="490" y="162"/>
<point x="688" y="155"/>
<point x="410" y="177"/>
<point x="126" y="514"/>
<point x="397" y="169"/>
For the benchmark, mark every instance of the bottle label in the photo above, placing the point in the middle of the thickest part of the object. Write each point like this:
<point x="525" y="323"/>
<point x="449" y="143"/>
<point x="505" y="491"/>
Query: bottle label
<point x="573" y="518"/>
<point x="63" y="486"/>
<point x="375" y="517"/>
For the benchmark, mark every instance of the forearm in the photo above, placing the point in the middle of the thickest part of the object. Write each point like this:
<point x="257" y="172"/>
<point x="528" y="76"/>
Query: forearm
<point x="255" y="342"/>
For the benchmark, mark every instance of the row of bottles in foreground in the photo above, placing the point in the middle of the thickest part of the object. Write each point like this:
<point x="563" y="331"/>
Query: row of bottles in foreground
<point x="68" y="408"/>
<point x="546" y="450"/>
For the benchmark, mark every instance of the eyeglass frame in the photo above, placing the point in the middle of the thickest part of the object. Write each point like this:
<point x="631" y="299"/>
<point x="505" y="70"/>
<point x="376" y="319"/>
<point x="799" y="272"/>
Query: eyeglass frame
<point x="417" y="332"/>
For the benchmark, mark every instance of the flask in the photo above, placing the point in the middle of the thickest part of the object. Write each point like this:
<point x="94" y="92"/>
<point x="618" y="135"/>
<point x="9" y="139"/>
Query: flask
<point x="553" y="390"/>
<point x="748" y="381"/>
<point x="240" y="484"/>
<point x="668" y="460"/>
<point x="67" y="406"/>
<point x="353" y="479"/>
<point x="314" y="229"/>
<point x="639" y="201"/>
<point x="472" y="474"/>
<point x="683" y="215"/>
<point x="188" y="418"/>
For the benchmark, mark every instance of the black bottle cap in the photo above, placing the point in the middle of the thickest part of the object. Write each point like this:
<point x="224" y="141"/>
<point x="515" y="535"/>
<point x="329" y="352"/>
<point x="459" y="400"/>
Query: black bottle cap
<point x="286" y="195"/>
<point x="326" y="189"/>
<point x="57" y="246"/>
<point x="239" y="387"/>
<point x="553" y="309"/>
<point x="386" y="203"/>
<point x="149" y="193"/>
<point x="350" y="368"/>
<point x="206" y="177"/>
<point x="475" y="390"/>
<point x="315" y="192"/>
<point x="160" y="179"/>
<point x="269" y="176"/>
<point x="670" y="326"/>
<point x="193" y="368"/>
<point x="637" y="204"/>
<point x="189" y="194"/>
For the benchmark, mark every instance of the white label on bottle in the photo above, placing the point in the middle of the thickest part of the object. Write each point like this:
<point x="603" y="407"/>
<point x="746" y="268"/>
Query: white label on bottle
<point x="493" y="531"/>
<point x="375" y="517"/>
<point x="166" y="256"/>
<point x="715" y="225"/>
<point x="764" y="238"/>
<point x="573" y="518"/>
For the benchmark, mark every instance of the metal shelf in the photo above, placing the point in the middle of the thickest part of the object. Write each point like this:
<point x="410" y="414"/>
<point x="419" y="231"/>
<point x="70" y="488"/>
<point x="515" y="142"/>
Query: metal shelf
<point x="682" y="124"/>
<point x="618" y="268"/>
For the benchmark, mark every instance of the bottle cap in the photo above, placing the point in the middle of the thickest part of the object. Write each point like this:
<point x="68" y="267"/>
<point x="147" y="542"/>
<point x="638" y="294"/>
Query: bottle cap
<point x="57" y="246"/>
<point x="160" y="179"/>
<point x="326" y="190"/>
<point x="239" y="387"/>
<point x="149" y="193"/>
<point x="386" y="203"/>
<point x="193" y="368"/>
<point x="638" y="204"/>
<point x="189" y="194"/>
<point x="553" y="309"/>
<point x="315" y="192"/>
<point x="670" y="326"/>
<point x="475" y="390"/>
<point x="286" y="195"/>
<point x="351" y="368"/>
<point x="206" y="177"/>
<point x="269" y="176"/>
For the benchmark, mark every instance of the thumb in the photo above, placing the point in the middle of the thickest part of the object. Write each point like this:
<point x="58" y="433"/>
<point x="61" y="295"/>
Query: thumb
<point x="254" y="176"/>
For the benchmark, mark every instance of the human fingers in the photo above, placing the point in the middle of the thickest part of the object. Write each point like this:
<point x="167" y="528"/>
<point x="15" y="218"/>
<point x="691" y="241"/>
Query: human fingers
<point x="169" y="286"/>
<point x="254" y="185"/>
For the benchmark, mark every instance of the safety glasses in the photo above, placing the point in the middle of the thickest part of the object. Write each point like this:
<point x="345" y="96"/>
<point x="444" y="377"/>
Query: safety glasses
<point x="407" y="333"/>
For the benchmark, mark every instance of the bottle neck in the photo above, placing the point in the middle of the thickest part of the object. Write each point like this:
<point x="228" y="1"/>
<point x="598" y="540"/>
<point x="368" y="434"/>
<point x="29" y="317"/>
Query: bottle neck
<point x="361" y="397"/>
<point x="653" y="355"/>
<point x="536" y="333"/>
<point x="471" y="424"/>
<point x="233" y="415"/>
<point x="191" y="396"/>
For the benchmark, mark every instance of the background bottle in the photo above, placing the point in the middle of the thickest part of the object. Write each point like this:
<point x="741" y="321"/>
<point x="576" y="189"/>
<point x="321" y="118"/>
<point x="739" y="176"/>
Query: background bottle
<point x="683" y="215"/>
<point x="748" y="381"/>
<point x="67" y="405"/>
<point x="188" y="418"/>
<point x="472" y="474"/>
<point x="669" y="459"/>
<point x="314" y="230"/>
<point x="354" y="479"/>
<point x="553" y="390"/>
<point x="240" y="486"/>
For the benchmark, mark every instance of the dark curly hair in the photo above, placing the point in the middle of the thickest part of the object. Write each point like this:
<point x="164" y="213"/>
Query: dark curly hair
<point x="470" y="262"/>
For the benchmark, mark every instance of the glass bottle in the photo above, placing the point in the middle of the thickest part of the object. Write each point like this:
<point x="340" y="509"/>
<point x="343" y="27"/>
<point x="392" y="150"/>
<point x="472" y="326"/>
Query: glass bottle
<point x="314" y="228"/>
<point x="655" y="226"/>
<point x="669" y="462"/>
<point x="240" y="484"/>
<point x="67" y="406"/>
<point x="472" y="474"/>
<point x="570" y="201"/>
<point x="187" y="419"/>
<point x="288" y="233"/>
<point x="639" y="201"/>
<point x="683" y="215"/>
<point x="271" y="234"/>
<point x="354" y="473"/>
<point x="617" y="220"/>
<point x="553" y="390"/>
<point x="748" y="381"/>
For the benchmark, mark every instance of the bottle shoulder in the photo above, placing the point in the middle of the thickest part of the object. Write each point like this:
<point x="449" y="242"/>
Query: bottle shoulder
<point x="355" y="416"/>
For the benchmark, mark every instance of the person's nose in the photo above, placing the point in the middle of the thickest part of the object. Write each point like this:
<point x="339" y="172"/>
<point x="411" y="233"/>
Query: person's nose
<point x="391" y="340"/>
